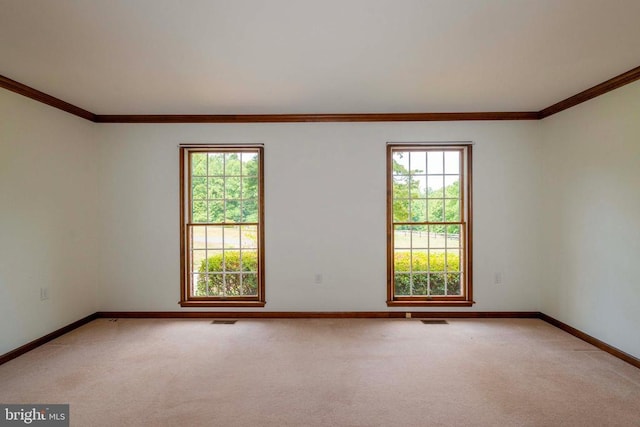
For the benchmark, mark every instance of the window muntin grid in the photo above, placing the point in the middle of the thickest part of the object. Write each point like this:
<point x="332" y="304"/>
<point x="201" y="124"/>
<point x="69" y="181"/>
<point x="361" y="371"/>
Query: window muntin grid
<point x="231" y="252"/>
<point x="224" y="187"/>
<point x="223" y="231"/>
<point x="428" y="223"/>
<point x="427" y="262"/>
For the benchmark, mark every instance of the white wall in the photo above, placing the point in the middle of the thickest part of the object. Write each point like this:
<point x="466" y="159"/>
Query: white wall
<point x="91" y="212"/>
<point x="47" y="219"/>
<point x="591" y="176"/>
<point x="325" y="211"/>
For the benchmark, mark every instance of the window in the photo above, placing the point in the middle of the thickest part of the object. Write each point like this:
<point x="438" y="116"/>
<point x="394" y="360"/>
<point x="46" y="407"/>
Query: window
<point x="222" y="246"/>
<point x="429" y="224"/>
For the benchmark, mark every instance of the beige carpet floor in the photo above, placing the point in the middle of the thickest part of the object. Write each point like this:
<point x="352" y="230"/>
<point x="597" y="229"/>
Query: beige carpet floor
<point x="326" y="372"/>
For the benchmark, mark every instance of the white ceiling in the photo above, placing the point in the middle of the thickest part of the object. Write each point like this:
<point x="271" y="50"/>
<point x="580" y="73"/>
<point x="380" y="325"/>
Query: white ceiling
<point x="328" y="56"/>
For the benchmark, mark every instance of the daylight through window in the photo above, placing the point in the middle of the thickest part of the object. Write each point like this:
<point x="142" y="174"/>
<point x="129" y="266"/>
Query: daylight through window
<point x="222" y="234"/>
<point x="429" y="224"/>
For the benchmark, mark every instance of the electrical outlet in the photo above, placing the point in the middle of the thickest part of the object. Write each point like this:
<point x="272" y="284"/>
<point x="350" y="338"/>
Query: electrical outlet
<point x="44" y="294"/>
<point x="498" y="278"/>
<point x="317" y="278"/>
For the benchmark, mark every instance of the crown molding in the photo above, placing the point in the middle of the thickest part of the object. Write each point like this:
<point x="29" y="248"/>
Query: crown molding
<point x="303" y="118"/>
<point x="597" y="90"/>
<point x="32" y="93"/>
<point x="600" y="89"/>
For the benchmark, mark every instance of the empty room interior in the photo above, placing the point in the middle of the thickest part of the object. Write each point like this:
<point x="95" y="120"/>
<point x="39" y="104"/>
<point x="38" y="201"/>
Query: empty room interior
<point x="350" y="213"/>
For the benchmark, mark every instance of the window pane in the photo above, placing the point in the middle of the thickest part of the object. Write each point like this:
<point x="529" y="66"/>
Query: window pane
<point x="232" y="164"/>
<point x="214" y="237"/>
<point x="249" y="210"/>
<point x="197" y="257"/>
<point x="452" y="186"/>
<point x="250" y="164"/>
<point x="453" y="236"/>
<point x="401" y="186"/>
<point x="402" y="237"/>
<point x="418" y="210"/>
<point x="216" y="164"/>
<point x="419" y="261"/>
<point x="452" y="210"/>
<point x="216" y="211"/>
<point x="402" y="283"/>
<point x="231" y="237"/>
<point x="400" y="210"/>
<point x="214" y="285"/>
<point x="200" y="285"/>
<point x="216" y="188"/>
<point x="420" y="282"/>
<point x="419" y="237"/>
<point x="453" y="284"/>
<point x="199" y="213"/>
<point x="232" y="188"/>
<point x="232" y="284"/>
<point x="250" y="188"/>
<point x="436" y="284"/>
<point x="199" y="188"/>
<point x="436" y="210"/>
<point x="437" y="237"/>
<point x="435" y="163"/>
<point x="418" y="186"/>
<point x="249" y="237"/>
<point x="436" y="261"/>
<point x="418" y="162"/>
<point x="198" y="164"/>
<point x="249" y="260"/>
<point x="232" y="211"/>
<point x="436" y="186"/>
<point x="250" y="284"/>
<point x="198" y="237"/>
<point x="400" y="162"/>
<point x="453" y="260"/>
<point x="402" y="261"/>
<point x="452" y="162"/>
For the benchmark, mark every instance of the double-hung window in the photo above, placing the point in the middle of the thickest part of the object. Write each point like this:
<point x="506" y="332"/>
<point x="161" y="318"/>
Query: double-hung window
<point x="222" y="234"/>
<point x="429" y="224"/>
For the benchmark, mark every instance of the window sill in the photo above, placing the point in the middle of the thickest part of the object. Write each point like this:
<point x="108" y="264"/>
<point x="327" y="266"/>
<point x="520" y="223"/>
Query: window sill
<point x="220" y="303"/>
<point x="423" y="303"/>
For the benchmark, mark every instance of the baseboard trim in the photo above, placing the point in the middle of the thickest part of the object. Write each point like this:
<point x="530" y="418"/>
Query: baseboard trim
<point x="314" y="314"/>
<point x="634" y="361"/>
<point x="474" y="314"/>
<point x="45" y="339"/>
<point x="591" y="340"/>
